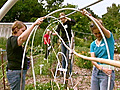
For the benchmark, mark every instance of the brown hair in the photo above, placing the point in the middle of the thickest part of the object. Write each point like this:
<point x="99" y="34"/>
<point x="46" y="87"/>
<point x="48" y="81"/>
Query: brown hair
<point x="62" y="14"/>
<point x="93" y="26"/>
<point x="18" y="25"/>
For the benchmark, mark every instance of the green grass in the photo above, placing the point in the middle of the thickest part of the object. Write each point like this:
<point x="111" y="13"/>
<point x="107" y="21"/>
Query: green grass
<point x="45" y="86"/>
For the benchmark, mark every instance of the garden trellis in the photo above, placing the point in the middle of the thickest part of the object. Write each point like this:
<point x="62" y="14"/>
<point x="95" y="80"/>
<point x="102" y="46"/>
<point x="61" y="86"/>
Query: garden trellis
<point x="114" y="63"/>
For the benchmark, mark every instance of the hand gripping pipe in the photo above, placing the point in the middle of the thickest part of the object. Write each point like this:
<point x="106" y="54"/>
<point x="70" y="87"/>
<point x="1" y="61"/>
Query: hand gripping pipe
<point x="106" y="61"/>
<point x="108" y="52"/>
<point x="42" y="40"/>
<point x="34" y="30"/>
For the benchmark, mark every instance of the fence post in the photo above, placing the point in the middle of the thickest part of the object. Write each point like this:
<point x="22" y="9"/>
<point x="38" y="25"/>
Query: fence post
<point x="3" y="68"/>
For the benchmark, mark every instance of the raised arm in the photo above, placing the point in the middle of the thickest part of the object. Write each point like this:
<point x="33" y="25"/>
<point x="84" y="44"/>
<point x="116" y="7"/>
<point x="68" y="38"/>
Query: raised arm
<point x="105" y="31"/>
<point x="23" y="37"/>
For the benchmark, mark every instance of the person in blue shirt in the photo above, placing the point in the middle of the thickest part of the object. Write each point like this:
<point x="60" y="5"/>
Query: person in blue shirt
<point x="101" y="72"/>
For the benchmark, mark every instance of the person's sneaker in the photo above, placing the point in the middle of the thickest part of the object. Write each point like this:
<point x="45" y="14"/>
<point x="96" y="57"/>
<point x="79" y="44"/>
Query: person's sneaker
<point x="45" y="59"/>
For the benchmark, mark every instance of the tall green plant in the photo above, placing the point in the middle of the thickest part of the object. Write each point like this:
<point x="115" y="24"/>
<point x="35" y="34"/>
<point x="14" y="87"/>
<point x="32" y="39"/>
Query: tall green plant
<point x="3" y="42"/>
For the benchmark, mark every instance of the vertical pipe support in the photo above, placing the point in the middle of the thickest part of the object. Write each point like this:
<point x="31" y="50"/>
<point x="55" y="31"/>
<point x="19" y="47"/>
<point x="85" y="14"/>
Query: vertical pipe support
<point x="3" y="68"/>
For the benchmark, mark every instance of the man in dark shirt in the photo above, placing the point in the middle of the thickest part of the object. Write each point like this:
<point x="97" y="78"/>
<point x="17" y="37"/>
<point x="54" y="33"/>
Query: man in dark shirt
<point x="65" y="29"/>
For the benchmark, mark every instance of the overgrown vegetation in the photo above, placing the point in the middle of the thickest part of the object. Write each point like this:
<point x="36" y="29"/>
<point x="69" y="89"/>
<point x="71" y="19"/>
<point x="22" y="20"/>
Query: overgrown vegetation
<point x="45" y="86"/>
<point x="3" y="42"/>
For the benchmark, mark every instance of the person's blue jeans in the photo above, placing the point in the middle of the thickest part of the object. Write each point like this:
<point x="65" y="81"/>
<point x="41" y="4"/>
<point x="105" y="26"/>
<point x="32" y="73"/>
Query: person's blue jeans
<point x="66" y="53"/>
<point x="99" y="80"/>
<point x="14" y="78"/>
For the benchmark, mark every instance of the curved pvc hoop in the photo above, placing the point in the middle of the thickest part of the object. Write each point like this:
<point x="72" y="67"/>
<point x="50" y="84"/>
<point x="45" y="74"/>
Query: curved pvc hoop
<point x="59" y="63"/>
<point x="108" y="52"/>
<point x="105" y="43"/>
<point x="32" y="48"/>
<point x="42" y="40"/>
<point x="24" y="55"/>
<point x="56" y="32"/>
<point x="99" y="30"/>
<point x="32" y="58"/>
<point x="26" y="46"/>
<point x="64" y="57"/>
<point x="63" y="27"/>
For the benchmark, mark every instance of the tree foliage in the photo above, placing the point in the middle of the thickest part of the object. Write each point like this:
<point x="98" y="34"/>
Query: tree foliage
<point x="2" y="2"/>
<point x="26" y="11"/>
<point x="53" y="4"/>
<point x="112" y="18"/>
<point x="30" y="10"/>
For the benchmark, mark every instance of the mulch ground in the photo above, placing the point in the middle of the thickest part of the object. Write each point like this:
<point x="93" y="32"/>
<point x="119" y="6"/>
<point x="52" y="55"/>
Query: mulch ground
<point x="81" y="78"/>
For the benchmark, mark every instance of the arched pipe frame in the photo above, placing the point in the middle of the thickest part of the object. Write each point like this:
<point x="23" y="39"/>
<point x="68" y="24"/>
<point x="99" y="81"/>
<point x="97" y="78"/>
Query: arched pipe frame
<point x="106" y="61"/>
<point x="42" y="41"/>
<point x="35" y="28"/>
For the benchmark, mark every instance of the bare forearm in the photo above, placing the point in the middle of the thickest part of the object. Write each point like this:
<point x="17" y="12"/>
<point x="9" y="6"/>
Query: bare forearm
<point x="105" y="31"/>
<point x="26" y="33"/>
<point x="23" y="37"/>
<point x="96" y="65"/>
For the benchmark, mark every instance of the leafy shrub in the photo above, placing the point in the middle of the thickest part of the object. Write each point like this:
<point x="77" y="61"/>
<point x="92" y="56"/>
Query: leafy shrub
<point x="3" y="42"/>
<point x="82" y="63"/>
<point x="36" y="50"/>
<point x="82" y="43"/>
<point x="117" y="48"/>
<point x="79" y="42"/>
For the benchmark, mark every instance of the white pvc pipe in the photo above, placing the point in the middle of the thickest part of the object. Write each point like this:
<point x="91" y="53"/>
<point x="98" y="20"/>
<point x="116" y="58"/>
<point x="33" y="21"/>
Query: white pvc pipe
<point x="56" y="32"/>
<point x="108" y="52"/>
<point x="24" y="54"/>
<point x="63" y="27"/>
<point x="61" y="10"/>
<point x="59" y="63"/>
<point x="32" y="59"/>
<point x="7" y="6"/>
